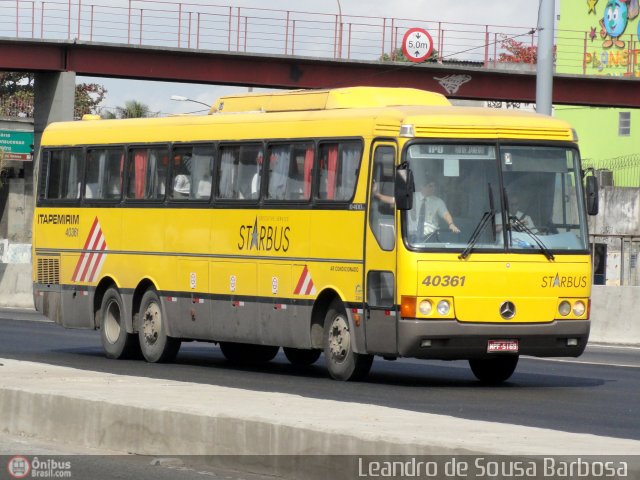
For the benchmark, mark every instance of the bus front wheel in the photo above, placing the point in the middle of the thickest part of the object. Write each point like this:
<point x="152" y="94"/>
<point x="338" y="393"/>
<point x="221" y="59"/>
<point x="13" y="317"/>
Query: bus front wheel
<point x="116" y="342"/>
<point x="298" y="356"/>
<point x="494" y="370"/>
<point x="156" y="345"/>
<point x="342" y="362"/>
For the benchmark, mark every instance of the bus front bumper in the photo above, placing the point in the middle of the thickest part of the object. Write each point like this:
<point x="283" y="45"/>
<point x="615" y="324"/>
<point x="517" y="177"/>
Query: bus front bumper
<point x="453" y="340"/>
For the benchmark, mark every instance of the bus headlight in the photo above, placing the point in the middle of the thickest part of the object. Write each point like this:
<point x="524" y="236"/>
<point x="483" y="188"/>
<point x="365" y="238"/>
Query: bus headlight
<point x="425" y="307"/>
<point x="444" y="307"/>
<point x="579" y="308"/>
<point x="564" y="308"/>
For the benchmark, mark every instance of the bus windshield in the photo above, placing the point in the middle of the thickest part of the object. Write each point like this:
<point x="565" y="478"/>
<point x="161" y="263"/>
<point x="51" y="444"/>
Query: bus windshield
<point x="466" y="193"/>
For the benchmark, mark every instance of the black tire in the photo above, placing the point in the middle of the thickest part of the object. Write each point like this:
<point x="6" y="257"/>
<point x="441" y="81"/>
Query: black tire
<point x="494" y="370"/>
<point x="248" y="354"/>
<point x="116" y="342"/>
<point x="297" y="356"/>
<point x="342" y="362"/>
<point x="155" y="344"/>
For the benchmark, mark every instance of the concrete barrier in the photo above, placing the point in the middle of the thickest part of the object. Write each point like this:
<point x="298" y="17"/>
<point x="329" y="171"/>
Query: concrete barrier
<point x="164" y="417"/>
<point x="615" y="315"/>
<point x="16" y="285"/>
<point x="615" y="311"/>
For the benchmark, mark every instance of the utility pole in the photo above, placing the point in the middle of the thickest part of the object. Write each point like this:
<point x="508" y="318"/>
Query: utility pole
<point x="544" y="71"/>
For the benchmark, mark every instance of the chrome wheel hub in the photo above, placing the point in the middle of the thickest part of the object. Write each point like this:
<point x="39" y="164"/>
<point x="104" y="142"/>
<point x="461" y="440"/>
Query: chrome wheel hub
<point x="151" y="323"/>
<point x="339" y="338"/>
<point x="112" y="322"/>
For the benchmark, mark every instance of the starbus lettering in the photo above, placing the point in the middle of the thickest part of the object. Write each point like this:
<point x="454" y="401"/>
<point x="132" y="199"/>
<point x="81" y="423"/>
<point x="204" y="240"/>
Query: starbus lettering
<point x="46" y="219"/>
<point x="569" y="281"/>
<point x="264" y="237"/>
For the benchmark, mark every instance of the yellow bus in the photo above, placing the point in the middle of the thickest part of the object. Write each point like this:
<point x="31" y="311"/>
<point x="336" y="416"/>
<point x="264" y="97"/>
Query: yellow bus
<point x="354" y="222"/>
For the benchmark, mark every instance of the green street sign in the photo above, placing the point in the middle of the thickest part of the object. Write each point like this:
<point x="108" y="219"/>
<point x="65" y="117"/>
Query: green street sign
<point x="16" y="145"/>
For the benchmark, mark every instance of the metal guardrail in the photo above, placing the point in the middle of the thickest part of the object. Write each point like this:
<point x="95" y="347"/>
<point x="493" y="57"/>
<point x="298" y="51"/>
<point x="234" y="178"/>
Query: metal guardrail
<point x="254" y="30"/>
<point x="615" y="259"/>
<point x="287" y="32"/>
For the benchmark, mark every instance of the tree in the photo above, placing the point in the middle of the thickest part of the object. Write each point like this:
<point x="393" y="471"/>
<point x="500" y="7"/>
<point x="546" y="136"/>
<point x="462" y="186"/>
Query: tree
<point x="130" y="109"/>
<point x="517" y="52"/>
<point x="398" y="56"/>
<point x="16" y="96"/>
<point x="88" y="98"/>
<point x="133" y="109"/>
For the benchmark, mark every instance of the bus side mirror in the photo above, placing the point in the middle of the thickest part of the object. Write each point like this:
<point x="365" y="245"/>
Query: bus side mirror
<point x="591" y="192"/>
<point x="404" y="187"/>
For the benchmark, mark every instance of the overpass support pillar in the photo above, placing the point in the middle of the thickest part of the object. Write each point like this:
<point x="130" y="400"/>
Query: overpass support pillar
<point x="54" y="96"/>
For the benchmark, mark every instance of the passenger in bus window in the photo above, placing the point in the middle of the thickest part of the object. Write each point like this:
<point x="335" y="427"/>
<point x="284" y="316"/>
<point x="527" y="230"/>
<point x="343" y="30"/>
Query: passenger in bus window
<point x="181" y="185"/>
<point x="428" y="209"/>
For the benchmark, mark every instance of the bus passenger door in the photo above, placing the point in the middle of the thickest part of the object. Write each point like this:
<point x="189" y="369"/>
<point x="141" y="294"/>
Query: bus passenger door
<point x="380" y="254"/>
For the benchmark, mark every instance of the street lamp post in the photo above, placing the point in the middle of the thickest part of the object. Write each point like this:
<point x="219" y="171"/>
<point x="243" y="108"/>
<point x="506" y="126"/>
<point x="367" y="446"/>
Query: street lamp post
<point x="339" y="35"/>
<point x="544" y="68"/>
<point x="180" y="98"/>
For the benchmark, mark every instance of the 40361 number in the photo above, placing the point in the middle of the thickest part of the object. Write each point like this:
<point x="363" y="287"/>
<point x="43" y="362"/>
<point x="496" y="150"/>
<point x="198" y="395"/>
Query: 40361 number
<point x="444" y="281"/>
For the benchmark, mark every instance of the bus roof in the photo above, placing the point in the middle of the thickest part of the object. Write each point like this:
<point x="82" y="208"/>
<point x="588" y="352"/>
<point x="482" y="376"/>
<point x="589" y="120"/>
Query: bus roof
<point x="338" y="98"/>
<point x="357" y="111"/>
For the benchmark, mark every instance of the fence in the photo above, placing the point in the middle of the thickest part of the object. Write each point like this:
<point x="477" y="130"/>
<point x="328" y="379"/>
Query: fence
<point x="615" y="259"/>
<point x="625" y="169"/>
<point x="255" y="30"/>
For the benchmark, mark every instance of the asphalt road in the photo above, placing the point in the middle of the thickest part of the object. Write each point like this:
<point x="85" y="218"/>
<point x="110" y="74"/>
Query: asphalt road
<point x="596" y="393"/>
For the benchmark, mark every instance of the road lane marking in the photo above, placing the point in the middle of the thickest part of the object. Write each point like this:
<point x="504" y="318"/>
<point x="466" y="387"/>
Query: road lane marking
<point x="560" y="360"/>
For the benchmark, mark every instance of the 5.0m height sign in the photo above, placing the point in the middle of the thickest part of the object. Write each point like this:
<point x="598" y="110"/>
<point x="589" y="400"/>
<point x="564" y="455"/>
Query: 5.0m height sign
<point x="417" y="45"/>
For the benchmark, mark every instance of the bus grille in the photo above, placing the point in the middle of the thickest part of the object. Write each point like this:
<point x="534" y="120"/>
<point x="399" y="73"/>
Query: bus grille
<point x="49" y="271"/>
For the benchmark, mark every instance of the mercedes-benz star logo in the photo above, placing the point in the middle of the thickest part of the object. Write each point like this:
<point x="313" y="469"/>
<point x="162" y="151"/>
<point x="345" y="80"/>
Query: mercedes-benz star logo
<point x="507" y="310"/>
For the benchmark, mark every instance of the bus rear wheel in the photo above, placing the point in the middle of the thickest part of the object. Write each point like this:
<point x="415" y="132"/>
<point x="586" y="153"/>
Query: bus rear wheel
<point x="156" y="345"/>
<point x="298" y="356"/>
<point x="342" y="362"/>
<point x="246" y="354"/>
<point x="116" y="342"/>
<point x="494" y="370"/>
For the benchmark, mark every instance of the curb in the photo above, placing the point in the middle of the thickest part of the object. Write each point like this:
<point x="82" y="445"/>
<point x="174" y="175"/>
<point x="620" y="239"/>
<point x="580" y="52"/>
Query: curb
<point x="149" y="416"/>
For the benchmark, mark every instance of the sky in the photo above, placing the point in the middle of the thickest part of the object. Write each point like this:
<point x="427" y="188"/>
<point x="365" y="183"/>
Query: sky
<point x="157" y="94"/>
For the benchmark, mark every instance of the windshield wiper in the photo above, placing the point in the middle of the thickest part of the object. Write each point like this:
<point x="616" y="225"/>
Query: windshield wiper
<point x="487" y="217"/>
<point x="513" y="220"/>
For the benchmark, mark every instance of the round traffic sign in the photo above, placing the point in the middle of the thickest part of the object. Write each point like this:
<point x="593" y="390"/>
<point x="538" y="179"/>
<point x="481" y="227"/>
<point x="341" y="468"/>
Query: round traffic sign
<point x="417" y="44"/>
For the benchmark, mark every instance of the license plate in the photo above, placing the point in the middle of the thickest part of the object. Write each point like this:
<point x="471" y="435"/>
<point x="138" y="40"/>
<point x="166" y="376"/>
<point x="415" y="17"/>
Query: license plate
<point x="510" y="346"/>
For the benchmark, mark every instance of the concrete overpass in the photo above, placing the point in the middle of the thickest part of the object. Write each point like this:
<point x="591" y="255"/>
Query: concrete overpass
<point x="456" y="79"/>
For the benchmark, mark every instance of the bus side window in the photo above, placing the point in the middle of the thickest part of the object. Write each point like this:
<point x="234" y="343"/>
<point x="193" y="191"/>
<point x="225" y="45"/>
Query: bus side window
<point x="239" y="172"/>
<point x="290" y="170"/>
<point x="279" y="161"/>
<point x="339" y="168"/>
<point x="65" y="174"/>
<point x="103" y="177"/>
<point x="147" y="173"/>
<point x="299" y="184"/>
<point x="251" y="157"/>
<point x="191" y="177"/>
